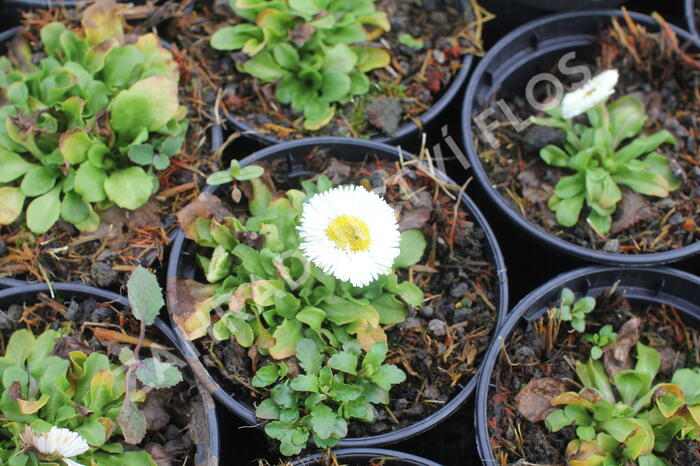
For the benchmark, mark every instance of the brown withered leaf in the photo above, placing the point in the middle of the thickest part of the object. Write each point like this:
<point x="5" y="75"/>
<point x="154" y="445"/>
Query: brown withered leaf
<point x="337" y="171"/>
<point x="534" y="401"/>
<point x="156" y="409"/>
<point x="191" y="308"/>
<point x="66" y="345"/>
<point x="159" y="454"/>
<point x="148" y="215"/>
<point x="15" y="390"/>
<point x="534" y="190"/>
<point x="617" y="356"/>
<point x="206" y="205"/>
<point x="668" y="358"/>
<point x="302" y="33"/>
<point x="414" y="219"/>
<point x="633" y="208"/>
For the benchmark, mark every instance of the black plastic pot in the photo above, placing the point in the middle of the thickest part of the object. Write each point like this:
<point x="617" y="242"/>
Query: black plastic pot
<point x="407" y="133"/>
<point x="642" y="285"/>
<point x="182" y="266"/>
<point x="362" y="456"/>
<point x="690" y="6"/>
<point x="208" y="449"/>
<point x="503" y="72"/>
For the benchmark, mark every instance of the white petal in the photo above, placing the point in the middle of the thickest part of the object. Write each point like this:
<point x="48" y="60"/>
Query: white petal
<point x="359" y="268"/>
<point x="590" y="94"/>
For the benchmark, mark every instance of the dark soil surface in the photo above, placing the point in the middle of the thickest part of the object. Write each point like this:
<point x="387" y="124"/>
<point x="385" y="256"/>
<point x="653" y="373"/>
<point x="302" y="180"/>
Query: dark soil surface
<point x="438" y="346"/>
<point x="416" y="78"/>
<point x="125" y="238"/>
<point x="175" y="415"/>
<point x="668" y="83"/>
<point x="530" y="355"/>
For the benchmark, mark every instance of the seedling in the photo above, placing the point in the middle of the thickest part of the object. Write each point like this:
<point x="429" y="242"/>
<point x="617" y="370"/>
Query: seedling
<point x="574" y="311"/>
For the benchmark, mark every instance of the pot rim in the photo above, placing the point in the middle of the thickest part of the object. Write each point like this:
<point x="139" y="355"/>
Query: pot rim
<point x="246" y="413"/>
<point x="524" y="310"/>
<point x="367" y="453"/>
<point x="469" y="106"/>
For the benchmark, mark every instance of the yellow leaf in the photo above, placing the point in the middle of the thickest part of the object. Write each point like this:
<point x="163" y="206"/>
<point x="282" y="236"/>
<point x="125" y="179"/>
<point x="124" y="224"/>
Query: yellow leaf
<point x="31" y="407"/>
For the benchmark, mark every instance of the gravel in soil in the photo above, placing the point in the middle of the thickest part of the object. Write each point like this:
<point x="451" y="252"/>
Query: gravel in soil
<point x="658" y="71"/>
<point x="531" y="354"/>
<point x="439" y="345"/>
<point x="174" y="415"/>
<point x="408" y="87"/>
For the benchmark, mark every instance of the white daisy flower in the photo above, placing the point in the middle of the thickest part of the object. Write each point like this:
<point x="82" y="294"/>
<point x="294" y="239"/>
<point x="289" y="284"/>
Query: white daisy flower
<point x="56" y="444"/>
<point x="589" y="94"/>
<point x="350" y="233"/>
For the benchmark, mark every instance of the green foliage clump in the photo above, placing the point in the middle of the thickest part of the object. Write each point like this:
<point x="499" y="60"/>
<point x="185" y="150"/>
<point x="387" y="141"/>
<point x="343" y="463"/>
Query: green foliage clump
<point x="642" y="421"/>
<point x="83" y="393"/>
<point x="86" y="394"/>
<point x="310" y="48"/>
<point x="595" y="153"/>
<point x="573" y="310"/>
<point x="89" y="125"/>
<point x="284" y="306"/>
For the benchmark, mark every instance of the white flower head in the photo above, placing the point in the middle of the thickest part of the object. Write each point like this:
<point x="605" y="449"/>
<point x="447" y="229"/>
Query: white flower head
<point x="589" y="94"/>
<point x="350" y="233"/>
<point x="56" y="444"/>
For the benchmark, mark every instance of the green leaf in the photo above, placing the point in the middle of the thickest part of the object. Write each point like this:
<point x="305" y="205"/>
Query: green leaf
<point x="141" y="154"/>
<point x="309" y="356"/>
<point x="266" y="375"/>
<point x="286" y="337"/>
<point x="643" y="145"/>
<point x="149" y="103"/>
<point x="557" y="420"/>
<point x="286" y="55"/>
<point x="267" y="409"/>
<point x="323" y="420"/>
<point x="158" y="374"/>
<point x="336" y="85"/>
<point x="284" y="396"/>
<point x="89" y="183"/>
<point x="339" y="58"/>
<point x="570" y="186"/>
<point x="13" y="166"/>
<point x="263" y="67"/>
<point x="642" y="181"/>
<point x="93" y="432"/>
<point x="249" y="172"/>
<point x="11" y="203"/>
<point x="73" y="209"/>
<point x="132" y="423"/>
<point x="145" y="295"/>
<point x="411" y="247"/>
<point x="370" y="58"/>
<point x="388" y="375"/>
<point x="661" y="165"/>
<point x="344" y="361"/>
<point x="311" y="316"/>
<point x="567" y="210"/>
<point x="410" y="41"/>
<point x="38" y="180"/>
<point x="627" y="118"/>
<point x="217" y="178"/>
<point x="304" y="383"/>
<point x="129" y="188"/>
<point x="43" y="211"/>
<point x="391" y="310"/>
<point x="553" y="155"/>
<point x="374" y="358"/>
<point x="235" y="37"/>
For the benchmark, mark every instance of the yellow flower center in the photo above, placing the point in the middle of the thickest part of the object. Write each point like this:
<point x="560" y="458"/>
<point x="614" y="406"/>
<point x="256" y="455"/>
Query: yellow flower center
<point x="349" y="233"/>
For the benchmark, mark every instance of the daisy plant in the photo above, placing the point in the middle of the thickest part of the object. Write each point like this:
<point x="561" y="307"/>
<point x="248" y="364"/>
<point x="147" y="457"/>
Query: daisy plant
<point x="637" y="424"/>
<point x="606" y="152"/>
<point x="72" y="410"/>
<point x="88" y="124"/>
<point x="309" y="280"/>
<point x="314" y="50"/>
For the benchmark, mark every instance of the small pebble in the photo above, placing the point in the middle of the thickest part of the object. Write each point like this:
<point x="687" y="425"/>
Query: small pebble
<point x="431" y="392"/>
<point x="676" y="219"/>
<point x="612" y="246"/>
<point x="438" y="17"/>
<point x="14" y="312"/>
<point x="411" y="325"/>
<point x="462" y="315"/>
<point x="459" y="290"/>
<point x="401" y="404"/>
<point x="5" y="322"/>
<point x="427" y="312"/>
<point x="437" y="328"/>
